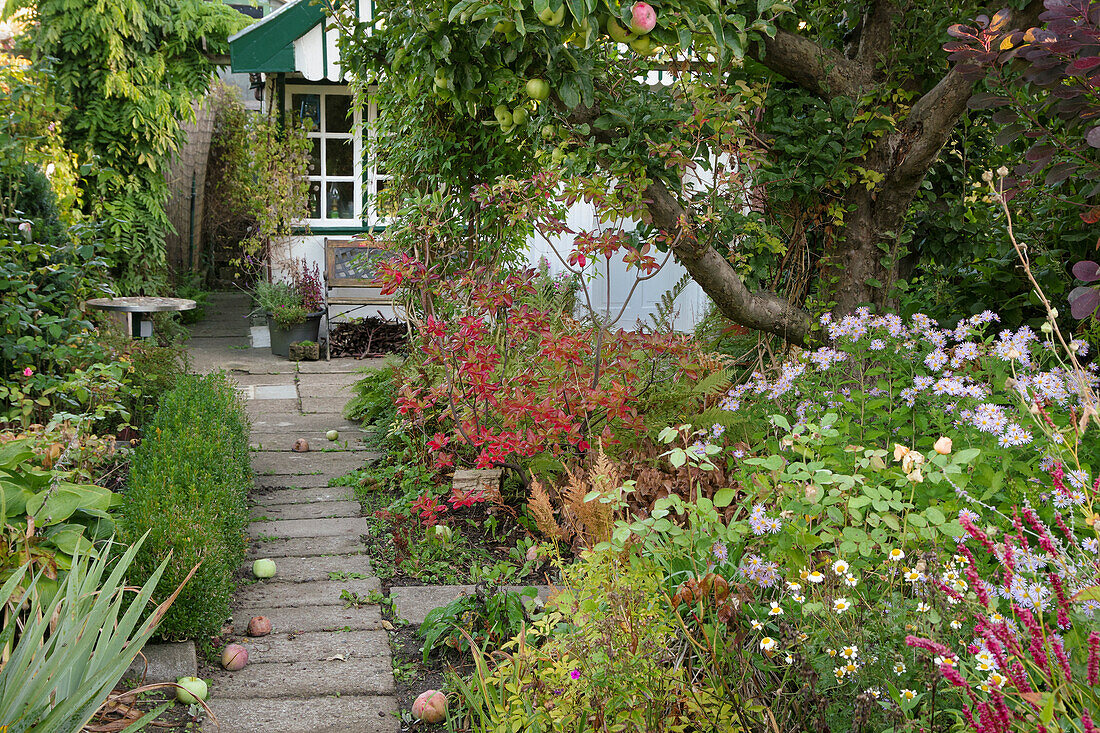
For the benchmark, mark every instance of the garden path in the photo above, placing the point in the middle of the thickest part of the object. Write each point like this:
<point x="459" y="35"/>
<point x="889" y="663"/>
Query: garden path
<point x="326" y="666"/>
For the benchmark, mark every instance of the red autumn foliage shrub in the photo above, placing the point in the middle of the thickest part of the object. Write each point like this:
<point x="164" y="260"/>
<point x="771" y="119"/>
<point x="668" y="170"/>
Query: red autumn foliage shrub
<point x="504" y="375"/>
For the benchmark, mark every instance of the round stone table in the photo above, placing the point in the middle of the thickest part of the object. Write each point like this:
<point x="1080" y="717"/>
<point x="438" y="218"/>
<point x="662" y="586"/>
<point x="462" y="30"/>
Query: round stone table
<point x="140" y="305"/>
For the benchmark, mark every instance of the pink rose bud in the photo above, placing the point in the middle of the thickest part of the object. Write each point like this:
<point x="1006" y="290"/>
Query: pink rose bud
<point x="28" y="372"/>
<point x="943" y="445"/>
<point x="643" y="18"/>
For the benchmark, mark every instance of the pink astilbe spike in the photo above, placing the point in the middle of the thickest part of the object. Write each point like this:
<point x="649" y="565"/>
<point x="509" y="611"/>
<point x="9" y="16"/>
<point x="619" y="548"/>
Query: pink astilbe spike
<point x="1065" y="530"/>
<point x="1094" y="659"/>
<point x="1035" y="642"/>
<point x="1060" y="655"/>
<point x="1086" y="722"/>
<point x="1044" y="536"/>
<point x="1057" y="473"/>
<point x="977" y="584"/>
<point x="928" y="645"/>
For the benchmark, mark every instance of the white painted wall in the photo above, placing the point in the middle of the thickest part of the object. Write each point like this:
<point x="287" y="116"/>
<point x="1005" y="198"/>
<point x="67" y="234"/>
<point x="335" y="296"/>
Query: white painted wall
<point x="691" y="305"/>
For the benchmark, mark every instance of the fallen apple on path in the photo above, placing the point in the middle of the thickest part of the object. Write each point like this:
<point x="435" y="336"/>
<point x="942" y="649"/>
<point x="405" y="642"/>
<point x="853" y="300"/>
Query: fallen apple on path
<point x="332" y="435"/>
<point x="430" y="706"/>
<point x="191" y="690"/>
<point x="234" y="657"/>
<point x="264" y="568"/>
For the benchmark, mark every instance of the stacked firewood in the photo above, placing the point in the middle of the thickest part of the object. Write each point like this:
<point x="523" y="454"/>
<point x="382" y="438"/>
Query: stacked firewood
<point x="368" y="337"/>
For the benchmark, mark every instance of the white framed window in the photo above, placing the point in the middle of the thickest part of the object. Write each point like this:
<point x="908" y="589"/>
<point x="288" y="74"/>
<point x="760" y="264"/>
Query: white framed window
<point x="336" y="158"/>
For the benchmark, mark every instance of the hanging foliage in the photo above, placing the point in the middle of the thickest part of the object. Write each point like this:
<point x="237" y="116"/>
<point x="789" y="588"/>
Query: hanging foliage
<point x="130" y="70"/>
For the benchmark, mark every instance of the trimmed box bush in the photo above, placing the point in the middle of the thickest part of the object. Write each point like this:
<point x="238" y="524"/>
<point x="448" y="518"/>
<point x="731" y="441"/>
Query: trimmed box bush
<point x="188" y="485"/>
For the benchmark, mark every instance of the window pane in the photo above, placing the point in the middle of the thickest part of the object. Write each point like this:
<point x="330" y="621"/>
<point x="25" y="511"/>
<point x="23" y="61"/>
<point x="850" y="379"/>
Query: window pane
<point x="338" y="115"/>
<point x="315" y="200"/>
<point x="340" y="200"/>
<point x="338" y="158"/>
<point x="307" y="107"/>
<point x="315" y="158"/>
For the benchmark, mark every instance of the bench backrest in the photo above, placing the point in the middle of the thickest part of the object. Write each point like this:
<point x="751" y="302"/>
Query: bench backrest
<point x="353" y="263"/>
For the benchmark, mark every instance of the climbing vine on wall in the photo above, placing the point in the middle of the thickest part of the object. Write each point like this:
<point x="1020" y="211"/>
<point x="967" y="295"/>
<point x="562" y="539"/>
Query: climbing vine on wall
<point x="130" y="70"/>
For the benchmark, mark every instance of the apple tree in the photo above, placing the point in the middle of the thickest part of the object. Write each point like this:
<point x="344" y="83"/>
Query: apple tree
<point x="818" y="125"/>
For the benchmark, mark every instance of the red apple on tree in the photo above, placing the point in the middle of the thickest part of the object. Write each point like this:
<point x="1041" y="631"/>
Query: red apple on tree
<point x="643" y="18"/>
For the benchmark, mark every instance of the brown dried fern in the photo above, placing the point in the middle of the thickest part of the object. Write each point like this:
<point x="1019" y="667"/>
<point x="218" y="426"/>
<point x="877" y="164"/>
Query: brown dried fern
<point x="543" y="511"/>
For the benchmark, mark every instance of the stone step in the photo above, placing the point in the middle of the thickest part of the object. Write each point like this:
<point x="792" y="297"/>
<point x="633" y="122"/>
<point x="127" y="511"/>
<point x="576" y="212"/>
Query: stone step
<point x="291" y="528"/>
<point x="316" y="510"/>
<point x="344" y="714"/>
<point x="306" y="547"/>
<point x="276" y="497"/>
<point x="306" y="569"/>
<point x="318" y="646"/>
<point x="318" y="618"/>
<point x="357" y="676"/>
<point x="311" y="462"/>
<point x="264" y="595"/>
<point x="301" y="481"/>
<point x="289" y="422"/>
<point x="256" y="409"/>
<point x="279" y="442"/>
<point x="333" y="404"/>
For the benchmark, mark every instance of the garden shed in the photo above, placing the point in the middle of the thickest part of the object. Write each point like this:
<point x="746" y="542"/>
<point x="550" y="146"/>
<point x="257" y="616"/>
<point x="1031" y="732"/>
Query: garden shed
<point x="295" y="49"/>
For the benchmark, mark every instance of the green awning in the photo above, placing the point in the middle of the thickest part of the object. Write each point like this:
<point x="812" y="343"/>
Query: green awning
<point x="268" y="44"/>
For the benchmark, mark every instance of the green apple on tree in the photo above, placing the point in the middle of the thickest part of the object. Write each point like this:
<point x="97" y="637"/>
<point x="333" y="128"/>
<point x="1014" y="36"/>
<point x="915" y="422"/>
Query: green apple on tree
<point x="643" y="46"/>
<point x="538" y="89"/>
<point x="519" y="116"/>
<point x="552" y="18"/>
<point x="617" y="32"/>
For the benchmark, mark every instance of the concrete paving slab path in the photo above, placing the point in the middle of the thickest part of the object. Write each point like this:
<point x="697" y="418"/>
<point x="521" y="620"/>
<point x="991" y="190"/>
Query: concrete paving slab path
<point x="313" y="714"/>
<point x="272" y="497"/>
<point x="319" y="567"/>
<point x="325" y="667"/>
<point x="315" y="510"/>
<point x="266" y="595"/>
<point x="296" y="481"/>
<point x="305" y="547"/>
<point x="330" y="460"/>
<point x="341" y="527"/>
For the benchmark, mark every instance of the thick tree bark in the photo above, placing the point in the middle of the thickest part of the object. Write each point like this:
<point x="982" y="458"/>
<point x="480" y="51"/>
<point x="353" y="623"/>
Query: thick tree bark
<point x="863" y="261"/>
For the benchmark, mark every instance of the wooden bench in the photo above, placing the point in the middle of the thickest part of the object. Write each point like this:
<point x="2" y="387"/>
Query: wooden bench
<point x="350" y="264"/>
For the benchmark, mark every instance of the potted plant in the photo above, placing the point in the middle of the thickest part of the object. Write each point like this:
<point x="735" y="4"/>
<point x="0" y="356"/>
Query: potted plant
<point x="293" y="307"/>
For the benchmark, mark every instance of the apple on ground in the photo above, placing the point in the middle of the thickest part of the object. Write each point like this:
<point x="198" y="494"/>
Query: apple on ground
<point x="430" y="706"/>
<point x="191" y="690"/>
<point x="332" y="435"/>
<point x="234" y="657"/>
<point x="264" y="568"/>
